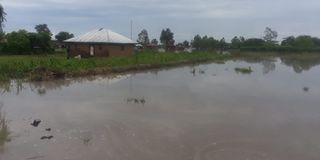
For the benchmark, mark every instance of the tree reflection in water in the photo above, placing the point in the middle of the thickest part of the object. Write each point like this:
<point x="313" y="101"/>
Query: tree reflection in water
<point x="301" y="62"/>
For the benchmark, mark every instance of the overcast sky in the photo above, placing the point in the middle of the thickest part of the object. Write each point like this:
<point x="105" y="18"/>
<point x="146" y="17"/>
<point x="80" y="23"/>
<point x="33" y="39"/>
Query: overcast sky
<point x="217" y="18"/>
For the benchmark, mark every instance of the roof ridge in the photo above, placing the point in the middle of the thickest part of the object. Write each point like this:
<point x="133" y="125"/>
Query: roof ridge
<point x="101" y="35"/>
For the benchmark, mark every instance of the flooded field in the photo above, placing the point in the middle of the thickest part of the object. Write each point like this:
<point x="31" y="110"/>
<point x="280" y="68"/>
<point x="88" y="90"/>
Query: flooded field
<point x="243" y="109"/>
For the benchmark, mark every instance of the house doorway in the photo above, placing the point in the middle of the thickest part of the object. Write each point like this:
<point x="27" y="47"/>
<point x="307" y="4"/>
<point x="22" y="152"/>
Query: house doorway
<point x="91" y="51"/>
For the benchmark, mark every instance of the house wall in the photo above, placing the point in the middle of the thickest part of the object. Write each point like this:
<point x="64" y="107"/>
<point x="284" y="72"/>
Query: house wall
<point x="100" y="50"/>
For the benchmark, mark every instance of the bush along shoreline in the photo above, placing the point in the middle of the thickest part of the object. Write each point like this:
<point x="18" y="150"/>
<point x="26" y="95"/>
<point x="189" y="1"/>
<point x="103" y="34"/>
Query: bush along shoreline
<point x="41" y="68"/>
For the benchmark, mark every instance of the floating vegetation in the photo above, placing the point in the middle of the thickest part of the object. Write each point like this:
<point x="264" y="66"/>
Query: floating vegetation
<point x="136" y="100"/>
<point x="244" y="70"/>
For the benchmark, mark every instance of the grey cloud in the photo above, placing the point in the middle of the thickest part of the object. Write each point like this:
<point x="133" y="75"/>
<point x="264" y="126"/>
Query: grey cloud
<point x="218" y="18"/>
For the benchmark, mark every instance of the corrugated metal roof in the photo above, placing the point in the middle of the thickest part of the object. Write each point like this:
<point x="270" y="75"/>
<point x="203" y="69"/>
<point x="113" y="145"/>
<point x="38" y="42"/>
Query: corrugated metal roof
<point x="101" y="36"/>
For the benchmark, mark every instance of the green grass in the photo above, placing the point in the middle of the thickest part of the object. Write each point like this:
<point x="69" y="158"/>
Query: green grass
<point x="243" y="70"/>
<point x="18" y="66"/>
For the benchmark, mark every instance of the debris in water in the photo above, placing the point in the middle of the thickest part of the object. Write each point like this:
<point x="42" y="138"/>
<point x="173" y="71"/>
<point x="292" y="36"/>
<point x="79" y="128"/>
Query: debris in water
<point x="46" y="137"/>
<point x="48" y="129"/>
<point x="36" y="123"/>
<point x="306" y="89"/>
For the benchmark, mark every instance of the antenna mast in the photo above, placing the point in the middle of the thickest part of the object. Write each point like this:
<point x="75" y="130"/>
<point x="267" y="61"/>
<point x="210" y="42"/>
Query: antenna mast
<point x="131" y="23"/>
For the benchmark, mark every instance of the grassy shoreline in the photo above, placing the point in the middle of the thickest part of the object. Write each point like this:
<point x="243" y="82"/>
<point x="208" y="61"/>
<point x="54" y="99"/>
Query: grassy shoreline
<point x="39" y="68"/>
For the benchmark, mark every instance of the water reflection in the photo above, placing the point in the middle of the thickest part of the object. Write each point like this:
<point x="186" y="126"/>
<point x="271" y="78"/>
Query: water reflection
<point x="14" y="86"/>
<point x="301" y="63"/>
<point x="42" y="87"/>
<point x="298" y="62"/>
<point x="173" y="115"/>
<point x="268" y="66"/>
<point x="4" y="129"/>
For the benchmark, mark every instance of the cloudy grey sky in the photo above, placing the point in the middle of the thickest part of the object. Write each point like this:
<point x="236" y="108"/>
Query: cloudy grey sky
<point x="217" y="18"/>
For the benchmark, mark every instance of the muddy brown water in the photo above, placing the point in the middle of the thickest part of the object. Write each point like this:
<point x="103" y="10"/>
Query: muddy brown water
<point x="203" y="112"/>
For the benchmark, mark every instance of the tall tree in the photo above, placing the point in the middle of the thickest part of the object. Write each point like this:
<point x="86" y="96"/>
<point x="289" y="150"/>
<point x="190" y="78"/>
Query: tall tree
<point x="196" y="42"/>
<point x="43" y="28"/>
<point x="167" y="37"/>
<point x="61" y="36"/>
<point x="143" y="37"/>
<point x="3" y="15"/>
<point x="223" y="44"/>
<point x="270" y="36"/>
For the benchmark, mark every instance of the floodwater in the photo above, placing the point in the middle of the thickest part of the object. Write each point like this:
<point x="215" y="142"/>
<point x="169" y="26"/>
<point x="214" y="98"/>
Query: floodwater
<point x="201" y="112"/>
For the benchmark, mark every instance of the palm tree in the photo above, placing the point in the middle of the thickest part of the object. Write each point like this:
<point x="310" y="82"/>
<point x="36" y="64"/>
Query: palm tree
<point x="3" y="15"/>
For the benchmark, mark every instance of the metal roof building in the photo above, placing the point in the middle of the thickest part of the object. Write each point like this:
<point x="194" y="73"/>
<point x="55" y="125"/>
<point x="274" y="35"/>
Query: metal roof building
<point x="100" y="42"/>
<point x="101" y="36"/>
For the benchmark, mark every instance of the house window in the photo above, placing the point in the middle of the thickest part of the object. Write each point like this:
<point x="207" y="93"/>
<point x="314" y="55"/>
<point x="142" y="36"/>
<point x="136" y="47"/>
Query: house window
<point x="122" y="48"/>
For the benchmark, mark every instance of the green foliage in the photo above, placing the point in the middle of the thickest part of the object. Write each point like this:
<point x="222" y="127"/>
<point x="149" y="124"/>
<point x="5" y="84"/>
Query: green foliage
<point x="40" y="42"/>
<point x="244" y="70"/>
<point x="17" y="42"/>
<point x="205" y="43"/>
<point x="303" y="42"/>
<point x="253" y="42"/>
<point x="23" y="42"/>
<point x="62" y="36"/>
<point x="143" y="37"/>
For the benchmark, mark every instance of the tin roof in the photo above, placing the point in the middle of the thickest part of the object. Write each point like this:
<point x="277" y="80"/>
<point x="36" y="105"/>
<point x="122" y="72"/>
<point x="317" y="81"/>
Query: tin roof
<point x="101" y="36"/>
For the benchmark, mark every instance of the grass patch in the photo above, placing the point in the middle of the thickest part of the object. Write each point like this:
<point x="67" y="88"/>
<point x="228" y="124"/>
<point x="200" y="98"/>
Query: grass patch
<point x="244" y="70"/>
<point x="18" y="66"/>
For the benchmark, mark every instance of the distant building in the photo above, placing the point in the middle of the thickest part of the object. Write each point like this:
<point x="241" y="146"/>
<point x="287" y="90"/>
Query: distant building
<point x="100" y="43"/>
